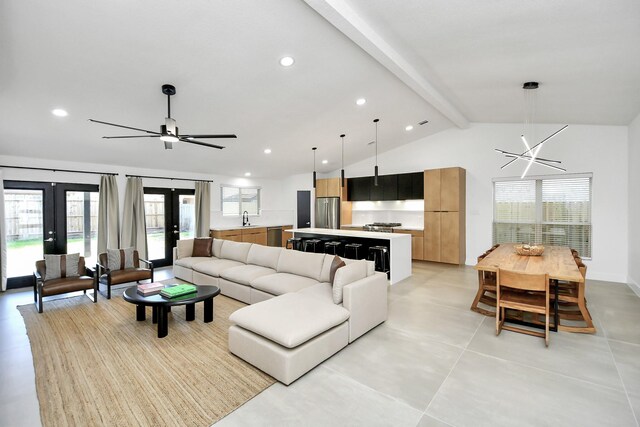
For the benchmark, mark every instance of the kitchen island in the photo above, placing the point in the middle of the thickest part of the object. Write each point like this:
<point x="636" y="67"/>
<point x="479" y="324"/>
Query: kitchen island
<point x="399" y="246"/>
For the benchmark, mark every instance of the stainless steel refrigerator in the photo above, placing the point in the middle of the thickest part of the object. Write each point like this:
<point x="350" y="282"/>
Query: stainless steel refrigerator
<point x="328" y="212"/>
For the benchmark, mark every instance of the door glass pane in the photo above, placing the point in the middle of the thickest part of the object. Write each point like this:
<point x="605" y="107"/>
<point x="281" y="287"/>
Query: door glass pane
<point x="154" y="219"/>
<point x="82" y="224"/>
<point x="23" y="219"/>
<point x="187" y="203"/>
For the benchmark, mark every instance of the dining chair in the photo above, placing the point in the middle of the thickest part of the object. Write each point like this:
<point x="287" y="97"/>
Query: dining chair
<point x="573" y="304"/>
<point x="523" y="292"/>
<point x="486" y="291"/>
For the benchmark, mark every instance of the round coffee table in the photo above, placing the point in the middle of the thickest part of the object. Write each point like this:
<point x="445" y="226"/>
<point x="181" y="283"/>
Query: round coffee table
<point x="161" y="306"/>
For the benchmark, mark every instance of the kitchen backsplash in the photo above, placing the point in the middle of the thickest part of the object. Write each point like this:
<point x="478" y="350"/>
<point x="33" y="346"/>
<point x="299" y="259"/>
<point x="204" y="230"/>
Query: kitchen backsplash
<point x="410" y="213"/>
<point x="266" y="217"/>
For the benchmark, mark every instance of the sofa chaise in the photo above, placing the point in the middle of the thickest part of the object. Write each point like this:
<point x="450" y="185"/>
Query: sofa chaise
<point x="297" y="318"/>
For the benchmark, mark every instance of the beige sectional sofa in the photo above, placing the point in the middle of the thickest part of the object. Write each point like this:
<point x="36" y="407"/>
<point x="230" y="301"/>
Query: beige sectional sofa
<point x="297" y="318"/>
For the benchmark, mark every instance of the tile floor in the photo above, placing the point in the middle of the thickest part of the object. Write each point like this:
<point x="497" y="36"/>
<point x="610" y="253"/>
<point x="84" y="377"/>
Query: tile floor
<point x="433" y="363"/>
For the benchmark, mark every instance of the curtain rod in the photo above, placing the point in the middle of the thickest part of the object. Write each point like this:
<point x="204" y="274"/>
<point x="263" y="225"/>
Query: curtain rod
<point x="166" y="177"/>
<point x="58" y="170"/>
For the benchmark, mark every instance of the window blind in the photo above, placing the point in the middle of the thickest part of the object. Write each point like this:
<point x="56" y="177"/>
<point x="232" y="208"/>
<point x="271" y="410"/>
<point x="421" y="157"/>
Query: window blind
<point x="547" y="210"/>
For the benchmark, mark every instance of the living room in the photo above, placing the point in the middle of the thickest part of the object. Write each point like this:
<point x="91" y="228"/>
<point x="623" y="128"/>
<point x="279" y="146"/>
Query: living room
<point x="461" y="67"/>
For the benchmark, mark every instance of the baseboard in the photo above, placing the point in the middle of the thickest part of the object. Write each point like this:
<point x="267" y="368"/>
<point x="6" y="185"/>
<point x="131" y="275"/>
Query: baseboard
<point x="634" y="286"/>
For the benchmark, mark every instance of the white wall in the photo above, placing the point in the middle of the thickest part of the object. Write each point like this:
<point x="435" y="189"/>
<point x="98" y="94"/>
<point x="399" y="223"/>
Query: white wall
<point x="275" y="209"/>
<point x="634" y="204"/>
<point x="601" y="150"/>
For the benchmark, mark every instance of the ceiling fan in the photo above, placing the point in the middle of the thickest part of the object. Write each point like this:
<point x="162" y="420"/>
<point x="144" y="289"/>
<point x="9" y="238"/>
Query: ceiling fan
<point x="168" y="131"/>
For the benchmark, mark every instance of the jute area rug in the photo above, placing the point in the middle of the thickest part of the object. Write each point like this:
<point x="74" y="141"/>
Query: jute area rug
<point x="96" y="365"/>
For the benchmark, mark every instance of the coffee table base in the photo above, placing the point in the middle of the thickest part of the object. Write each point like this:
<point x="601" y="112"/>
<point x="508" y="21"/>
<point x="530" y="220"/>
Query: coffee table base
<point x="159" y="315"/>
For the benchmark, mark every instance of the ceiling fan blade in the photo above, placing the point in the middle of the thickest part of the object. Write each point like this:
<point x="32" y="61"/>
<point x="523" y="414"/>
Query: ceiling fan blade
<point x="204" y="144"/>
<point x="130" y="136"/>
<point x="124" y="127"/>
<point x="209" y="136"/>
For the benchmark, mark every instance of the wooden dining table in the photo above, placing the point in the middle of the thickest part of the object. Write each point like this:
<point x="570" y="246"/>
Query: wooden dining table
<point x="556" y="261"/>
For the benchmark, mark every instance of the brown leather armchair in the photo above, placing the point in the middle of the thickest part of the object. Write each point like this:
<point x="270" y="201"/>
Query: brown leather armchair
<point x="109" y="277"/>
<point x="45" y="288"/>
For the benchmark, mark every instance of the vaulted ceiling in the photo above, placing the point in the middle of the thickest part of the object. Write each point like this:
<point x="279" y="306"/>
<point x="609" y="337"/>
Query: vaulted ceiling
<point x="450" y="62"/>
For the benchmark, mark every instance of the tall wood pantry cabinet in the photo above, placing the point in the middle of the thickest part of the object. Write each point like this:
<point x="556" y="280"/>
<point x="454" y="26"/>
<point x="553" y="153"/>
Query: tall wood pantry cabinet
<point x="444" y="215"/>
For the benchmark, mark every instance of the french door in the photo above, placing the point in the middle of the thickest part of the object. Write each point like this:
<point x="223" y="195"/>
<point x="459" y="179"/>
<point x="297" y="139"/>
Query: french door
<point x="47" y="218"/>
<point x="169" y="217"/>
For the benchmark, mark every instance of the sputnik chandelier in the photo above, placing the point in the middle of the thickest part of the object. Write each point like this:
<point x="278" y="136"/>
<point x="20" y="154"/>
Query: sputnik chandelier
<point x="530" y="155"/>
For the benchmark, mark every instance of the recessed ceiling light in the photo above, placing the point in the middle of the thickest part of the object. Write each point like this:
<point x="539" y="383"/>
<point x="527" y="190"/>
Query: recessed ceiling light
<point x="408" y="128"/>
<point x="361" y="101"/>
<point x="324" y="162"/>
<point x="59" y="112"/>
<point x="267" y="151"/>
<point x="287" y="61"/>
<point x="247" y="174"/>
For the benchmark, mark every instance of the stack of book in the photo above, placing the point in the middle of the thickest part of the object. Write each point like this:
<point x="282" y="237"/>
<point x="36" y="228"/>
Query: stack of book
<point x="178" y="291"/>
<point x="147" y="289"/>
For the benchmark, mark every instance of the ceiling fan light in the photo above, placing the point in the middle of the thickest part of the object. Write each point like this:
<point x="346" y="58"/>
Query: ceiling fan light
<point x="169" y="138"/>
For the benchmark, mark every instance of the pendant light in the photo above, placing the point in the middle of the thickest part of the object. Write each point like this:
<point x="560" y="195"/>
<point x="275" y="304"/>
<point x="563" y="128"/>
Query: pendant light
<point x="530" y="155"/>
<point x="375" y="170"/>
<point x="314" y="166"/>
<point x="342" y="170"/>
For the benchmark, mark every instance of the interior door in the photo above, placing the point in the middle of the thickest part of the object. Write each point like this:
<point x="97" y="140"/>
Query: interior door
<point x="169" y="216"/>
<point x="47" y="218"/>
<point x="304" y="209"/>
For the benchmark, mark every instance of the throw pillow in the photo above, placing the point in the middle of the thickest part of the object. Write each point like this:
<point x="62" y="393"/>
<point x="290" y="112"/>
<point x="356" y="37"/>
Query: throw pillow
<point x="61" y="266"/>
<point x="202" y="246"/>
<point x="119" y="259"/>
<point x="335" y="265"/>
<point x="345" y="275"/>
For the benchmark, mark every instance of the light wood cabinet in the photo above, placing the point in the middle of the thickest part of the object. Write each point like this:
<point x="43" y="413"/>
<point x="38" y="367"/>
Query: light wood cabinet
<point x="444" y="216"/>
<point x="431" y="247"/>
<point x="234" y="235"/>
<point x="417" y="242"/>
<point x="351" y="228"/>
<point x="255" y="235"/>
<point x="328" y="187"/>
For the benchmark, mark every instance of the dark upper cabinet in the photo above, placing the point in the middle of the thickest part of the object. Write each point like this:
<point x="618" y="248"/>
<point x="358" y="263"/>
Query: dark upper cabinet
<point x="411" y="186"/>
<point x="390" y="187"/>
<point x="359" y="189"/>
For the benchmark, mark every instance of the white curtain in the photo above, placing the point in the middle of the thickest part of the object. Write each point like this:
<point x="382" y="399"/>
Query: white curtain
<point x="134" y="230"/>
<point x="108" y="214"/>
<point x="3" y="239"/>
<point x="203" y="208"/>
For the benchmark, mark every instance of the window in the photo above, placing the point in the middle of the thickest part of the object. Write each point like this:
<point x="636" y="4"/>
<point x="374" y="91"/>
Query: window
<point x="552" y="210"/>
<point x="236" y="200"/>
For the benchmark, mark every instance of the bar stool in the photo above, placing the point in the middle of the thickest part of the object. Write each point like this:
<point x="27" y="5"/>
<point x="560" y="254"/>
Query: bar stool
<point x="352" y="248"/>
<point x="380" y="256"/>
<point x="313" y="244"/>
<point x="295" y="242"/>
<point x="332" y="247"/>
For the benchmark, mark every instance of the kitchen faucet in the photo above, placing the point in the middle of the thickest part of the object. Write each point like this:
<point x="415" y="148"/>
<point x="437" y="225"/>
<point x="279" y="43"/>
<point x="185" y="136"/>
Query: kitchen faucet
<point x="245" y="218"/>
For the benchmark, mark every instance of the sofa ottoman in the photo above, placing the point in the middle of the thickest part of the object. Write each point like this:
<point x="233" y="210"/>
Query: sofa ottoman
<point x="288" y="335"/>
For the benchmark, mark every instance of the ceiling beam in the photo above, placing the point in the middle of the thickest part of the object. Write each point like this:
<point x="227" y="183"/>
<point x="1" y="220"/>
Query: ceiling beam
<point x="345" y="19"/>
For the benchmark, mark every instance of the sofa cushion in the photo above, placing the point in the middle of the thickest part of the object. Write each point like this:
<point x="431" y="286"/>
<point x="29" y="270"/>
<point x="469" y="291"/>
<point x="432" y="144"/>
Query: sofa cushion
<point x="61" y="266"/>
<point x="264" y="256"/>
<point x="325" y="274"/>
<point x="245" y="274"/>
<point x="290" y="319"/>
<point x="214" y="266"/>
<point x="190" y="261"/>
<point x="282" y="283"/>
<point x="184" y="248"/>
<point x="217" y="247"/>
<point x="302" y="264"/>
<point x="202" y="246"/>
<point x="371" y="266"/>
<point x="321" y="291"/>
<point x="348" y="274"/>
<point x="235" y="251"/>
<point x="118" y="259"/>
